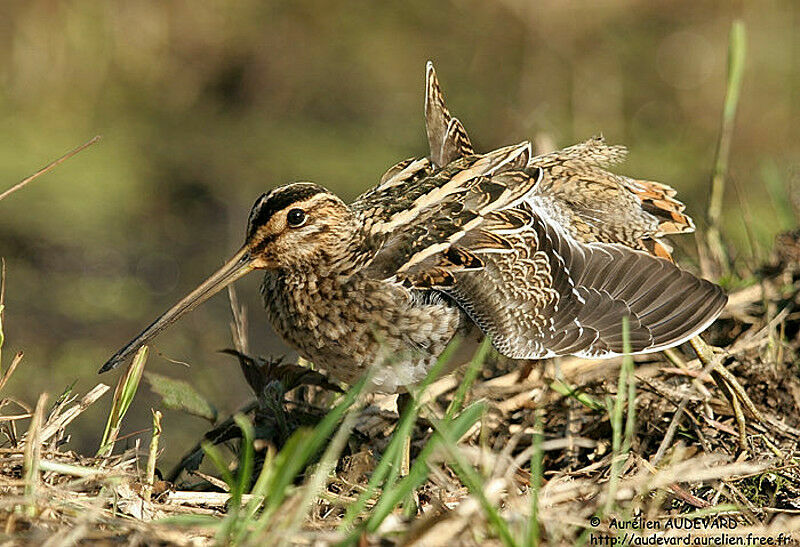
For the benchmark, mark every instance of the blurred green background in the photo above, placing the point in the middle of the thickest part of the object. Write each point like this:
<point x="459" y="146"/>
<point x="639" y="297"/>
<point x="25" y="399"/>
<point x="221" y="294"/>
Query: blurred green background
<point x="205" y="105"/>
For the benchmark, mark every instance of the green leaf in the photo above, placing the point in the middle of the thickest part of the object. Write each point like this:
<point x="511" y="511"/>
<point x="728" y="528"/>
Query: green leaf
<point x="180" y="395"/>
<point x="316" y="440"/>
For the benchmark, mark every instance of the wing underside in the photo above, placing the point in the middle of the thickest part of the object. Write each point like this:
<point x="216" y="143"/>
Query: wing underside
<point x="533" y="287"/>
<point x="551" y="295"/>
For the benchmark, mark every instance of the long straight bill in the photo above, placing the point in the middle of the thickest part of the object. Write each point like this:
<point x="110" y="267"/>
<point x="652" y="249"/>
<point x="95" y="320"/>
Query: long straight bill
<point x="236" y="267"/>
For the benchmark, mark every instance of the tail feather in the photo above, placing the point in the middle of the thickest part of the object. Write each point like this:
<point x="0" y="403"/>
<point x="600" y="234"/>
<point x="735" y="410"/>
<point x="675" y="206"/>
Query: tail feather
<point x="658" y="200"/>
<point x="447" y="138"/>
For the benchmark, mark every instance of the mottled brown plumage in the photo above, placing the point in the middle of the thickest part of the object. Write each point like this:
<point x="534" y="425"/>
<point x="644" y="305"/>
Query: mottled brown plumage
<point x="545" y="254"/>
<point x="447" y="138"/>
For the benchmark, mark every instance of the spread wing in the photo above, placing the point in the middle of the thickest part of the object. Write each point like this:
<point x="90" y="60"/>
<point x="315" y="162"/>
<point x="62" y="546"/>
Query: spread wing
<point x="546" y="254"/>
<point x="553" y="295"/>
<point x="533" y="287"/>
<point x="447" y="237"/>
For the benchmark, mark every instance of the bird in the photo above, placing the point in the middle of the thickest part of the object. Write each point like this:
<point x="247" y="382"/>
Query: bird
<point x="547" y="255"/>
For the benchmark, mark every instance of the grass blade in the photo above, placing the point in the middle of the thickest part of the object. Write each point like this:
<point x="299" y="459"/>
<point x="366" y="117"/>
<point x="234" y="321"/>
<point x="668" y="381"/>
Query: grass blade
<point x="326" y="465"/>
<point x="389" y="464"/>
<point x="532" y="535"/>
<point x="152" y="456"/>
<point x="215" y="456"/>
<point x="622" y="434"/>
<point x="779" y="194"/>
<point x="33" y="454"/>
<point x="233" y="526"/>
<point x="474" y="483"/>
<point x="559" y="386"/>
<point x="737" y="47"/>
<point x="7" y="375"/>
<point x="315" y="442"/>
<point x="123" y="397"/>
<point x="419" y="471"/>
<point x="299" y="449"/>
<point x="58" y="422"/>
<point x="246" y="458"/>
<point x="2" y="336"/>
<point x="2" y="307"/>
<point x="49" y="167"/>
<point x="470" y="375"/>
<point x="283" y="465"/>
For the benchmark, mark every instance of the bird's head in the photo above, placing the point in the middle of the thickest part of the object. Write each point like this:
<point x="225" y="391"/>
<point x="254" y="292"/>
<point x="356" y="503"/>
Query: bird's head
<point x="294" y="227"/>
<point x="297" y="226"/>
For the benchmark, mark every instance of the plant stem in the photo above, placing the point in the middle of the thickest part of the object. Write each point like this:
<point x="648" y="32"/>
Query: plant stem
<point x="736" y="58"/>
<point x="153" y="456"/>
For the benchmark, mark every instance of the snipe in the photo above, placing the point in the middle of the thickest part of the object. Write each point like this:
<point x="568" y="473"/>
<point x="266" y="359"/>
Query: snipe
<point x="545" y="254"/>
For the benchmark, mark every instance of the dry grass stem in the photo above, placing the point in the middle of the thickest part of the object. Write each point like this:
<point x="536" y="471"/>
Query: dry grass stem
<point x="49" y="167"/>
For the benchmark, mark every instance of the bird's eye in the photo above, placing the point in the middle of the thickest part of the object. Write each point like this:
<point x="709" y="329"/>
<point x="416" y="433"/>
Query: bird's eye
<point x="296" y="217"/>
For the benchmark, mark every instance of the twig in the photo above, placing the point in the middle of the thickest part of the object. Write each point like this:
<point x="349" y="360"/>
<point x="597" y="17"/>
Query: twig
<point x="239" y="322"/>
<point x="736" y="406"/>
<point x="676" y="359"/>
<point x="49" y="167"/>
<point x="71" y="469"/>
<point x="210" y="499"/>
<point x="2" y="307"/>
<point x="727" y="385"/>
<point x="212" y="480"/>
<point x="737" y="390"/>
<point x="666" y="442"/>
<point x="2" y="281"/>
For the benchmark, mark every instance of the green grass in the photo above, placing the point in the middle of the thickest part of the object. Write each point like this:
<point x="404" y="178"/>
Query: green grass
<point x="473" y="369"/>
<point x="737" y="48"/>
<point x="472" y="479"/>
<point x="393" y="495"/>
<point x="622" y="432"/>
<point x="127" y="385"/>
<point x="2" y="336"/>
<point x="258" y="520"/>
<point x="533" y="530"/>
<point x="386" y="473"/>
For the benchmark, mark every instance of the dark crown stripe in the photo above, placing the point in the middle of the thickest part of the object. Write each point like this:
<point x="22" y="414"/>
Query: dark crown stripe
<point x="280" y="199"/>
